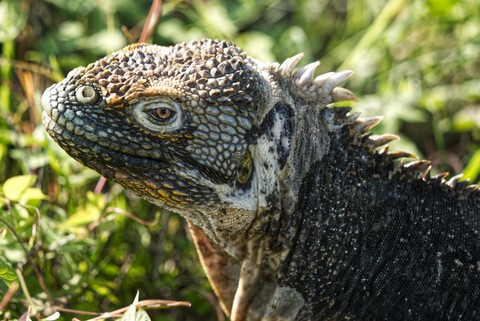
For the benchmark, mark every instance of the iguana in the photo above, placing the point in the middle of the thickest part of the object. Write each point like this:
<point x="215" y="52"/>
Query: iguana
<point x="297" y="211"/>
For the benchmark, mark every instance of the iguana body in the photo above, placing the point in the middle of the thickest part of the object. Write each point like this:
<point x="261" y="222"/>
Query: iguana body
<point x="294" y="212"/>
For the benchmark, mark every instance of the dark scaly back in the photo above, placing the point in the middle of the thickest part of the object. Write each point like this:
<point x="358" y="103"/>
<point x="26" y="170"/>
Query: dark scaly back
<point x="378" y="240"/>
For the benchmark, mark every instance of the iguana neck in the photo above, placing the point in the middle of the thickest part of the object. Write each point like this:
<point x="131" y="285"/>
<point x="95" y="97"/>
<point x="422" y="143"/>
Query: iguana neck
<point x="280" y="163"/>
<point x="290" y="141"/>
<point x="281" y="160"/>
<point x="283" y="163"/>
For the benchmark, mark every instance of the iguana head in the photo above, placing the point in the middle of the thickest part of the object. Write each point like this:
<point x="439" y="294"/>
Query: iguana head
<point x="179" y="125"/>
<point x="168" y="123"/>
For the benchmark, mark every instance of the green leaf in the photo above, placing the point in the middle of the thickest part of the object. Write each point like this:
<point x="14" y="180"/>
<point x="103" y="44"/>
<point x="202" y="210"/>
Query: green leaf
<point x="7" y="274"/>
<point x="13" y="19"/>
<point x="86" y="214"/>
<point x="472" y="170"/>
<point x="14" y="187"/>
<point x="34" y="193"/>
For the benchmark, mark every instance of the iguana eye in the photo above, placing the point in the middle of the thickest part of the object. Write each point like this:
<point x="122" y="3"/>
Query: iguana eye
<point x="86" y="95"/>
<point x="159" y="114"/>
<point x="163" y="113"/>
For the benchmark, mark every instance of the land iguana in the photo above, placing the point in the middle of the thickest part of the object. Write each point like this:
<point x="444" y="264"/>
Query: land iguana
<point x="297" y="211"/>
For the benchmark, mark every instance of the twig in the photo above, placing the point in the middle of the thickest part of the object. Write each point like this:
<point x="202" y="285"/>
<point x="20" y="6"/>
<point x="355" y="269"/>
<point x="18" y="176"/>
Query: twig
<point x="24" y="287"/>
<point x="151" y="22"/>
<point x="60" y="309"/>
<point x="100" y="185"/>
<point x="8" y="296"/>
<point x="147" y="304"/>
<point x="117" y="210"/>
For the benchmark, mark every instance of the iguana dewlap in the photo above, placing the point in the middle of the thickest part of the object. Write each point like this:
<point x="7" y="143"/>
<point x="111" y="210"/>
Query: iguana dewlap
<point x="295" y="213"/>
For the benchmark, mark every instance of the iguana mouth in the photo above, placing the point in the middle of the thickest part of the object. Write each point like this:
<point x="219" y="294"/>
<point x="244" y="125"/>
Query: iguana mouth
<point x="84" y="150"/>
<point x="134" y="172"/>
<point x="109" y="158"/>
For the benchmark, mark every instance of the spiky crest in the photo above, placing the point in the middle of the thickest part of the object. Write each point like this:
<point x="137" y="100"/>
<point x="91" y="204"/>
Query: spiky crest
<point x="327" y="84"/>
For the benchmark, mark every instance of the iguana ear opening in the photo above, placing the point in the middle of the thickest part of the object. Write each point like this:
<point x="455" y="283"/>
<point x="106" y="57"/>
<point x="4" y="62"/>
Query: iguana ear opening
<point x="245" y="168"/>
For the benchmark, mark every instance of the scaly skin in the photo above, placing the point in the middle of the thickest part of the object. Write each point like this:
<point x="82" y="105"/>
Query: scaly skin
<point x="294" y="212"/>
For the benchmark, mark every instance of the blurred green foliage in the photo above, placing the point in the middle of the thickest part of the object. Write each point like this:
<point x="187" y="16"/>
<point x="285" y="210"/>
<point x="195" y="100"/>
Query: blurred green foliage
<point x="67" y="241"/>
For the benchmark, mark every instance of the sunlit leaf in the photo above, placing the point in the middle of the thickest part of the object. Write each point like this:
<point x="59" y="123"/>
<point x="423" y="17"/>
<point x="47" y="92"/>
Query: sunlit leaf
<point x="33" y="193"/>
<point x="141" y="315"/>
<point x="15" y="186"/>
<point x="25" y="316"/>
<point x="107" y="41"/>
<point x="13" y="19"/>
<point x="7" y="274"/>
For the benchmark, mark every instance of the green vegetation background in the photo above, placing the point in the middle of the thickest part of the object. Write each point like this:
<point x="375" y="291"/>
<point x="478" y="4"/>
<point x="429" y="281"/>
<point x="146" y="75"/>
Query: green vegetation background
<point x="67" y="241"/>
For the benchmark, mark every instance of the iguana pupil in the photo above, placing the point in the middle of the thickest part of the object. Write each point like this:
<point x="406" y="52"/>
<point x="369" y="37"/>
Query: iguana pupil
<point x="295" y="212"/>
<point x="163" y="113"/>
